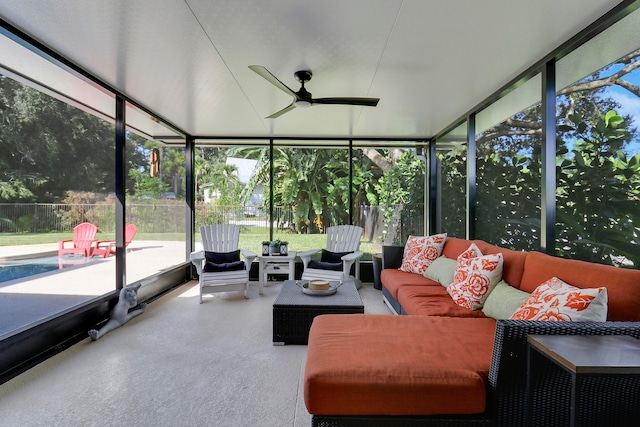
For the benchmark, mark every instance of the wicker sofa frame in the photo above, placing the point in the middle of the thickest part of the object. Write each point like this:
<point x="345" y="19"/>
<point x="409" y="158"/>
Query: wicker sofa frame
<point x="507" y="390"/>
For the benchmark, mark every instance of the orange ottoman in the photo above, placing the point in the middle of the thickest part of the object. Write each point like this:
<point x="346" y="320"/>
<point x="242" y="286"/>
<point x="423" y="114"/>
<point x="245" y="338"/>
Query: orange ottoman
<point x="397" y="365"/>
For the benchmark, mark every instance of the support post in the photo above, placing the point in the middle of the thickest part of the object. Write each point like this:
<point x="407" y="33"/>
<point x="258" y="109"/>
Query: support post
<point x="548" y="156"/>
<point x="190" y="193"/>
<point x="433" y="187"/>
<point x="120" y="134"/>
<point x="471" y="177"/>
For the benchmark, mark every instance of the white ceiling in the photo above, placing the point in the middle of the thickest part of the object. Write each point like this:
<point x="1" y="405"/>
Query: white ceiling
<point x="429" y="61"/>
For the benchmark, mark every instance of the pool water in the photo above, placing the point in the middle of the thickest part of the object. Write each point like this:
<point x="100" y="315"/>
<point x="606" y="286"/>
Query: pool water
<point x="22" y="268"/>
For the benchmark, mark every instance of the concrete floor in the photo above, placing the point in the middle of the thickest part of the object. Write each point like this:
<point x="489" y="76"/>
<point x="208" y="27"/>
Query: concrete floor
<point x="179" y="364"/>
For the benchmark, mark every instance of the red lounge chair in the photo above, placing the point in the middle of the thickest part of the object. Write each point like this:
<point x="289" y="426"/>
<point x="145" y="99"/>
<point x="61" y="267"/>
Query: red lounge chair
<point x="108" y="247"/>
<point x="84" y="236"/>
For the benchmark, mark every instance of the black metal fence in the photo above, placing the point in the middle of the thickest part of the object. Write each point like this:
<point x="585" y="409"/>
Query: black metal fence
<point x="160" y="217"/>
<point x="169" y="217"/>
<point x="52" y="217"/>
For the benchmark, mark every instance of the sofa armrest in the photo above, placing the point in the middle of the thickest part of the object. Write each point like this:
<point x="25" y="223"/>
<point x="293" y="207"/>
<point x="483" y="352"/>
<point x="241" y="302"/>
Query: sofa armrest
<point x="392" y="256"/>
<point x="508" y="372"/>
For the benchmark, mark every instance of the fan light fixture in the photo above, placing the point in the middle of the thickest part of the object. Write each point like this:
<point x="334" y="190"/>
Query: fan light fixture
<point x="302" y="103"/>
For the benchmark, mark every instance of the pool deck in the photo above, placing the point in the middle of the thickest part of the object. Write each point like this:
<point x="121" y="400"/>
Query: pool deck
<point x="144" y="258"/>
<point x="10" y="253"/>
<point x="28" y="300"/>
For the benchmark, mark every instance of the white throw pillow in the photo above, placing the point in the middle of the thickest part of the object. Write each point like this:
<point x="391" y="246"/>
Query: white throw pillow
<point x="421" y="251"/>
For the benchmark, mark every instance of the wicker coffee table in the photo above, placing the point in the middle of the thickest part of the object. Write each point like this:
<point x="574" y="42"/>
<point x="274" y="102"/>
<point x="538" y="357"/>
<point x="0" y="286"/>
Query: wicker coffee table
<point x="293" y="311"/>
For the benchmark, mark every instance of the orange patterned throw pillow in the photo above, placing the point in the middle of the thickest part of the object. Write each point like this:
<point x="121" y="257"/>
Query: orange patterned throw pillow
<point x="556" y="300"/>
<point x="476" y="275"/>
<point x="421" y="251"/>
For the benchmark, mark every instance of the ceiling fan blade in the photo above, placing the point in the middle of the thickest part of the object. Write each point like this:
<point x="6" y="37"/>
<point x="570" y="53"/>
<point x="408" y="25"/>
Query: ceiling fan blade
<point x="368" y="102"/>
<point x="281" y="112"/>
<point x="266" y="74"/>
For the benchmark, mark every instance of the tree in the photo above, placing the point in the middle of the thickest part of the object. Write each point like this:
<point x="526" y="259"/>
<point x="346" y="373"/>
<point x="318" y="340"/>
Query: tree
<point x="50" y="147"/>
<point x="401" y="197"/>
<point x="598" y="195"/>
<point x="597" y="205"/>
<point x="301" y="180"/>
<point x="172" y="172"/>
<point x="220" y="178"/>
<point x="145" y="185"/>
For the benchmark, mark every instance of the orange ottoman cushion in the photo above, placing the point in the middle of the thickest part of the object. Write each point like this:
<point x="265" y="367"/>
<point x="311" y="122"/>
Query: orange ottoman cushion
<point x="397" y="365"/>
<point x="432" y="301"/>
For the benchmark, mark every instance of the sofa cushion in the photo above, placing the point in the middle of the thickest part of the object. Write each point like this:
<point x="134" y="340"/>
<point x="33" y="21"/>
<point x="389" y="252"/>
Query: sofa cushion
<point x="513" y="261"/>
<point x="453" y="247"/>
<point x="623" y="285"/>
<point x="392" y="279"/>
<point x="556" y="300"/>
<point x="420" y="251"/>
<point x="503" y="301"/>
<point x="443" y="370"/>
<point x="432" y="301"/>
<point x="442" y="270"/>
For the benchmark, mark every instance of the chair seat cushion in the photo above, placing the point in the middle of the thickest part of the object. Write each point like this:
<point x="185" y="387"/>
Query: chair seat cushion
<point x="320" y="265"/>
<point x="361" y="364"/>
<point x="211" y="267"/>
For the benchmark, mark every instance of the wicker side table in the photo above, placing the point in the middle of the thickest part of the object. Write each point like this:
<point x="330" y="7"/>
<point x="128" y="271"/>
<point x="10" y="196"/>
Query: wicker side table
<point x="604" y="379"/>
<point x="293" y="311"/>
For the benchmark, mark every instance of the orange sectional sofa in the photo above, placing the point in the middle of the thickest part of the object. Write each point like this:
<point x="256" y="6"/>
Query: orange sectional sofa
<point x="442" y="364"/>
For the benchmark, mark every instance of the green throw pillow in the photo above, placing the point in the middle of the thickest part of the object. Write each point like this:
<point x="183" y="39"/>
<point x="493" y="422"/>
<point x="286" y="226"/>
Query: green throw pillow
<point x="442" y="270"/>
<point x="503" y="301"/>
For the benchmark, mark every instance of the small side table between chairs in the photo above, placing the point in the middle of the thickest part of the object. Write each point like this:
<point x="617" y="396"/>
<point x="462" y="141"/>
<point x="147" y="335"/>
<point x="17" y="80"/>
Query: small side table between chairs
<point x="275" y="264"/>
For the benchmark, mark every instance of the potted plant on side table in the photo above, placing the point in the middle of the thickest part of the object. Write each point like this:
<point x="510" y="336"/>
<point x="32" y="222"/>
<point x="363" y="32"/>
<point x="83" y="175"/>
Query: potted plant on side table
<point x="276" y="247"/>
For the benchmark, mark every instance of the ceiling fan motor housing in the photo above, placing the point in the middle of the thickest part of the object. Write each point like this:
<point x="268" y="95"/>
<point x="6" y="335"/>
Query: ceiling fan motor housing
<point x="303" y="76"/>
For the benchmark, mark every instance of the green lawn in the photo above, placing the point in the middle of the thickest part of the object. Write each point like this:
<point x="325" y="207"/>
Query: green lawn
<point x="250" y="238"/>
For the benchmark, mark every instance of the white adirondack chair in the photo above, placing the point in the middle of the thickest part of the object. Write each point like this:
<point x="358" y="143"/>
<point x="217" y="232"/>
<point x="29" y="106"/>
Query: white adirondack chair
<point x="340" y="238"/>
<point x="222" y="238"/>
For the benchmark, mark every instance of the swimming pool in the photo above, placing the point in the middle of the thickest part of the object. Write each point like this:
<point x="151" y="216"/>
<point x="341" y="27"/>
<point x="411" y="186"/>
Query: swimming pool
<point x="26" y="267"/>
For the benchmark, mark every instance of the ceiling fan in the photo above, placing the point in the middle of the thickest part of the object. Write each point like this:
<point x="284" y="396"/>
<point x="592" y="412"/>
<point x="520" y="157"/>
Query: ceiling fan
<point x="303" y="98"/>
